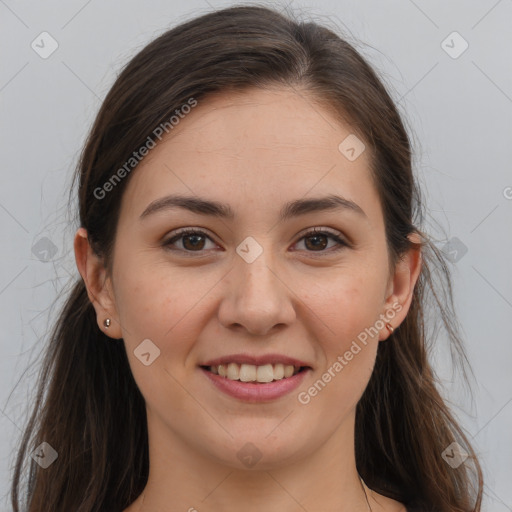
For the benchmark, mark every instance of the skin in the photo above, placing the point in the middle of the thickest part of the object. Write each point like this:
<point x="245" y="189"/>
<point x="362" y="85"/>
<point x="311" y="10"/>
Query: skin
<point x="255" y="151"/>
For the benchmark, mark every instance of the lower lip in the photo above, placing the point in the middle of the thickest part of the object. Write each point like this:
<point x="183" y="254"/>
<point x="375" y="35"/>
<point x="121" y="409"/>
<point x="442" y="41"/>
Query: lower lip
<point x="256" y="392"/>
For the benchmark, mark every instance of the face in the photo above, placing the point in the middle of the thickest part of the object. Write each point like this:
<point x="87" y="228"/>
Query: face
<point x="256" y="283"/>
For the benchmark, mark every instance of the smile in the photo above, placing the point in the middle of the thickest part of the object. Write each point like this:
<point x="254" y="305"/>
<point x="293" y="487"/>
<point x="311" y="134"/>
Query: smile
<point x="252" y="373"/>
<point x="263" y="383"/>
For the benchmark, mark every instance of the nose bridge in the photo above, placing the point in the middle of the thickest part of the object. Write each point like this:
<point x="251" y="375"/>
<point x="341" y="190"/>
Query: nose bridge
<point x="257" y="297"/>
<point x="256" y="275"/>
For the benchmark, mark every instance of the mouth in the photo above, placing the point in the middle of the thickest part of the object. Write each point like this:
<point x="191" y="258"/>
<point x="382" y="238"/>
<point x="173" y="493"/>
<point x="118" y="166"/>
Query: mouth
<point x="253" y="378"/>
<point x="258" y="374"/>
<point x="251" y="383"/>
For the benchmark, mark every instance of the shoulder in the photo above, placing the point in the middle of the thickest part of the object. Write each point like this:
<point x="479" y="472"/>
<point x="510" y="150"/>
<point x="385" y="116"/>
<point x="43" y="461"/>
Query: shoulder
<point x="381" y="503"/>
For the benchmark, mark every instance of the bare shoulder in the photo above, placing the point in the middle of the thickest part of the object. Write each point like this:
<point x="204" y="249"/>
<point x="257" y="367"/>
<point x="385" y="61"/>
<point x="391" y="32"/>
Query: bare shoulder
<point x="380" y="503"/>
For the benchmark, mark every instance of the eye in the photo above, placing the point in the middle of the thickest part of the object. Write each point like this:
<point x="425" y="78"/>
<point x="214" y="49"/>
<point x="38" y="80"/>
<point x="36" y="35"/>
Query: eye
<point x="192" y="240"/>
<point x="318" y="240"/>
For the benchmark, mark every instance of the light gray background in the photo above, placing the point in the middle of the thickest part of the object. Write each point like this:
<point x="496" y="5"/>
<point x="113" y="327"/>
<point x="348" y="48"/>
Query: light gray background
<point x="459" y="109"/>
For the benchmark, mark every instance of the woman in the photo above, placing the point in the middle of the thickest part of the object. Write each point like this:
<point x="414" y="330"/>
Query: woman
<point x="248" y="330"/>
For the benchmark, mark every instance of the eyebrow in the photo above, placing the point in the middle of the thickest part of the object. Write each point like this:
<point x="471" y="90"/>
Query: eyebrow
<point x="215" y="209"/>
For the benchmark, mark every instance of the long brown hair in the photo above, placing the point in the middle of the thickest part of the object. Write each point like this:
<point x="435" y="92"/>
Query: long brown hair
<point x="88" y="406"/>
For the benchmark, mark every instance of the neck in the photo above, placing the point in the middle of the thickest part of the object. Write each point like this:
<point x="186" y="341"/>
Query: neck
<point x="196" y="482"/>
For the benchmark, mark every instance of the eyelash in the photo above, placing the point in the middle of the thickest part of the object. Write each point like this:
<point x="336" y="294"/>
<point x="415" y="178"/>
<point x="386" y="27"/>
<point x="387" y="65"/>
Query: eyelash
<point x="315" y="231"/>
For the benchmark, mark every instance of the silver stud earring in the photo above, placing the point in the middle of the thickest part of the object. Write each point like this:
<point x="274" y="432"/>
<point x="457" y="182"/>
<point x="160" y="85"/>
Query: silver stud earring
<point x="106" y="322"/>
<point x="390" y="328"/>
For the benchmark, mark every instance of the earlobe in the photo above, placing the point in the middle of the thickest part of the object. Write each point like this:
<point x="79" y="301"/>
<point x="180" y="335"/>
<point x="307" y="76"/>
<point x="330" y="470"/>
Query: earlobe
<point x="402" y="285"/>
<point x="97" y="283"/>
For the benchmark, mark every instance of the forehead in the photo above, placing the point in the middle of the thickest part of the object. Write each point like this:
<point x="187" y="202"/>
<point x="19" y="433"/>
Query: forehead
<point x="258" y="120"/>
<point x="262" y="147"/>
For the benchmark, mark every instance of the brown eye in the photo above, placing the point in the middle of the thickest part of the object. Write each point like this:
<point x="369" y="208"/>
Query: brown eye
<point x="318" y="241"/>
<point x="192" y="240"/>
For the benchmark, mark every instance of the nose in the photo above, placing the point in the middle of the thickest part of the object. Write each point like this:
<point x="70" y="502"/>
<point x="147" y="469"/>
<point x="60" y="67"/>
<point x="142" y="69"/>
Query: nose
<point x="257" y="297"/>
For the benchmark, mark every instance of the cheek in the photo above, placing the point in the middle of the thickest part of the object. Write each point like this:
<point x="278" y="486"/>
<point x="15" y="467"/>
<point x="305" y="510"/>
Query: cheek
<point x="156" y="303"/>
<point x="347" y="306"/>
<point x="157" y="307"/>
<point x="348" y="345"/>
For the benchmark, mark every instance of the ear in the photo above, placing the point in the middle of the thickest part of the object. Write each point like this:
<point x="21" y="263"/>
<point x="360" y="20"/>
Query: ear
<point x="401" y="286"/>
<point x="99" y="286"/>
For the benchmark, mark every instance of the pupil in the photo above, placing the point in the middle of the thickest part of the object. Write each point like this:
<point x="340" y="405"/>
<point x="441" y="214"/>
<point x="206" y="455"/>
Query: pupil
<point x="195" y="243"/>
<point x="316" y="237"/>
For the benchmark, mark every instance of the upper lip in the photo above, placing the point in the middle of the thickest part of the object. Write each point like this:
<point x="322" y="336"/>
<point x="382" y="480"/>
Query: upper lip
<point x="256" y="360"/>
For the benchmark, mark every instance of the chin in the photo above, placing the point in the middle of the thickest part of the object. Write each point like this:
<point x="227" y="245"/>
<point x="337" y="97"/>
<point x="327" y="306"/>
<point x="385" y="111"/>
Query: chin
<point x="263" y="452"/>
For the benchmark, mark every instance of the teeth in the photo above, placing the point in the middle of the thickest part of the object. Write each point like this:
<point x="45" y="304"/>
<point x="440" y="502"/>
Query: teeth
<point x="278" y="371"/>
<point x="265" y="373"/>
<point x="233" y="372"/>
<point x="248" y="372"/>
<point x="252" y="373"/>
